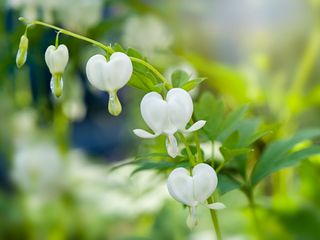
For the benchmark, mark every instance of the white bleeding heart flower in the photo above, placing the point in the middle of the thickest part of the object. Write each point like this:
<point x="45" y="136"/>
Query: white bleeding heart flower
<point x="57" y="59"/>
<point x="168" y="116"/>
<point x="110" y="76"/>
<point x="194" y="190"/>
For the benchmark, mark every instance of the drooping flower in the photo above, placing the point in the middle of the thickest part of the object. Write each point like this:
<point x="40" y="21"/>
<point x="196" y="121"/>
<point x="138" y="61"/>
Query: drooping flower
<point x="168" y="116"/>
<point x="22" y="52"/>
<point x="57" y="59"/>
<point x="110" y="76"/>
<point x="194" y="190"/>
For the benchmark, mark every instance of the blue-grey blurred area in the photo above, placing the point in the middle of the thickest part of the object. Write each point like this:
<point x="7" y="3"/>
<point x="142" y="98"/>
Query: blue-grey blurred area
<point x="56" y="180"/>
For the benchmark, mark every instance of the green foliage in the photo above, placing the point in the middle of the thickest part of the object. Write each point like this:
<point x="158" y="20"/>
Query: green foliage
<point x="280" y="154"/>
<point x="181" y="79"/>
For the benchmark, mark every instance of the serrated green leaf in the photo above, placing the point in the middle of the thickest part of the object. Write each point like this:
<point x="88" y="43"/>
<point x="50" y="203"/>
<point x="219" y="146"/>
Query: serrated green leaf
<point x="278" y="155"/>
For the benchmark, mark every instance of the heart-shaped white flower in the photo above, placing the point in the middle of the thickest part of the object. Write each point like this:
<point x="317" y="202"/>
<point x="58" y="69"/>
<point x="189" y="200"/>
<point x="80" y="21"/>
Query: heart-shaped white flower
<point x="110" y="76"/>
<point x="57" y="59"/>
<point x="167" y="116"/>
<point x="194" y="190"/>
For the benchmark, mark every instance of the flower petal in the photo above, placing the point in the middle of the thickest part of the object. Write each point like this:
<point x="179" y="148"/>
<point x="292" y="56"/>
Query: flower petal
<point x="196" y="126"/>
<point x="95" y="72"/>
<point x="172" y="146"/>
<point x="154" y="112"/>
<point x="216" y="206"/>
<point x="180" y="107"/>
<point x="119" y="70"/>
<point x="144" y="134"/>
<point x="192" y="220"/>
<point x="180" y="186"/>
<point x="204" y="182"/>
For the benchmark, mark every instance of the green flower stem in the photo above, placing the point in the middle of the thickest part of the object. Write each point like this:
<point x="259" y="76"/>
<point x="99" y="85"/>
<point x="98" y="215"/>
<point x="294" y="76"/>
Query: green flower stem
<point x="252" y="208"/>
<point x="107" y="49"/>
<point x="185" y="142"/>
<point x="215" y="221"/>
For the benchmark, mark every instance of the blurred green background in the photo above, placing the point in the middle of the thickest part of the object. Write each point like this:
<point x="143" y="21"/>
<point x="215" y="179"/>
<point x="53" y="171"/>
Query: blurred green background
<point x="55" y="156"/>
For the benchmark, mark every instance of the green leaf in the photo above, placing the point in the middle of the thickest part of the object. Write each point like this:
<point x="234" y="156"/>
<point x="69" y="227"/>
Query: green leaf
<point x="227" y="184"/>
<point x="191" y="84"/>
<point x="232" y="122"/>
<point x="212" y="110"/>
<point x="278" y="154"/>
<point x="231" y="153"/>
<point x="144" y="80"/>
<point x="159" y="165"/>
<point x="134" y="53"/>
<point x="178" y="78"/>
<point x="118" y="48"/>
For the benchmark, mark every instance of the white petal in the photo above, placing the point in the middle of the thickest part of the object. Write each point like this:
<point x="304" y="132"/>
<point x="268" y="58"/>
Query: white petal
<point x="57" y="58"/>
<point x="192" y="220"/>
<point x="154" y="112"/>
<point x="172" y="146"/>
<point x="180" y="107"/>
<point x="144" y="134"/>
<point x="216" y="206"/>
<point x="180" y="186"/>
<point x="95" y="71"/>
<point x="119" y="70"/>
<point x="196" y="126"/>
<point x="204" y="182"/>
<point x="112" y="75"/>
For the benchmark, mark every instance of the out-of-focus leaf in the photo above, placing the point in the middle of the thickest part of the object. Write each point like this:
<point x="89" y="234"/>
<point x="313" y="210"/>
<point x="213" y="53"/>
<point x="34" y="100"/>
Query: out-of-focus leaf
<point x="231" y="120"/>
<point x="212" y="110"/>
<point x="227" y="184"/>
<point x="134" y="53"/>
<point x="222" y="77"/>
<point x="191" y="84"/>
<point x="278" y="154"/>
<point x="231" y="153"/>
<point x="159" y="165"/>
<point x="118" y="48"/>
<point x="178" y="78"/>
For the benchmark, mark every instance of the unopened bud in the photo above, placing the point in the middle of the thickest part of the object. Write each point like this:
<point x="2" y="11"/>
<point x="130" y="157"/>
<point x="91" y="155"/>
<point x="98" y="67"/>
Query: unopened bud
<point x="22" y="52"/>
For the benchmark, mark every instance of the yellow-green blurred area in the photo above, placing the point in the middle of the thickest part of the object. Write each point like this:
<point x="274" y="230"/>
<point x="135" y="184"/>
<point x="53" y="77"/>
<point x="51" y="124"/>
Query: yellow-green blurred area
<point x="56" y="156"/>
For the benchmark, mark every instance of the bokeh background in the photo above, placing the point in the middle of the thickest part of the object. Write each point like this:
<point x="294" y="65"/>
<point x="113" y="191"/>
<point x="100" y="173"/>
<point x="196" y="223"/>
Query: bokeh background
<point x="55" y="156"/>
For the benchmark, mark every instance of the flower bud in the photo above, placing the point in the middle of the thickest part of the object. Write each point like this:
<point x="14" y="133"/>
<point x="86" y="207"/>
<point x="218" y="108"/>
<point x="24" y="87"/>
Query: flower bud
<point x="22" y="52"/>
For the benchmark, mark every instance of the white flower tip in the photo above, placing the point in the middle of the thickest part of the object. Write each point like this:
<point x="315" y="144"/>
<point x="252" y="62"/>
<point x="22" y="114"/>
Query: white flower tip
<point x="172" y="146"/>
<point x="192" y="222"/>
<point x="196" y="126"/>
<point x="216" y="206"/>
<point x="144" y="134"/>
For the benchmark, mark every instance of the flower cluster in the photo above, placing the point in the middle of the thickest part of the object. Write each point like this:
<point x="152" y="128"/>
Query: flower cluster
<point x="169" y="115"/>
